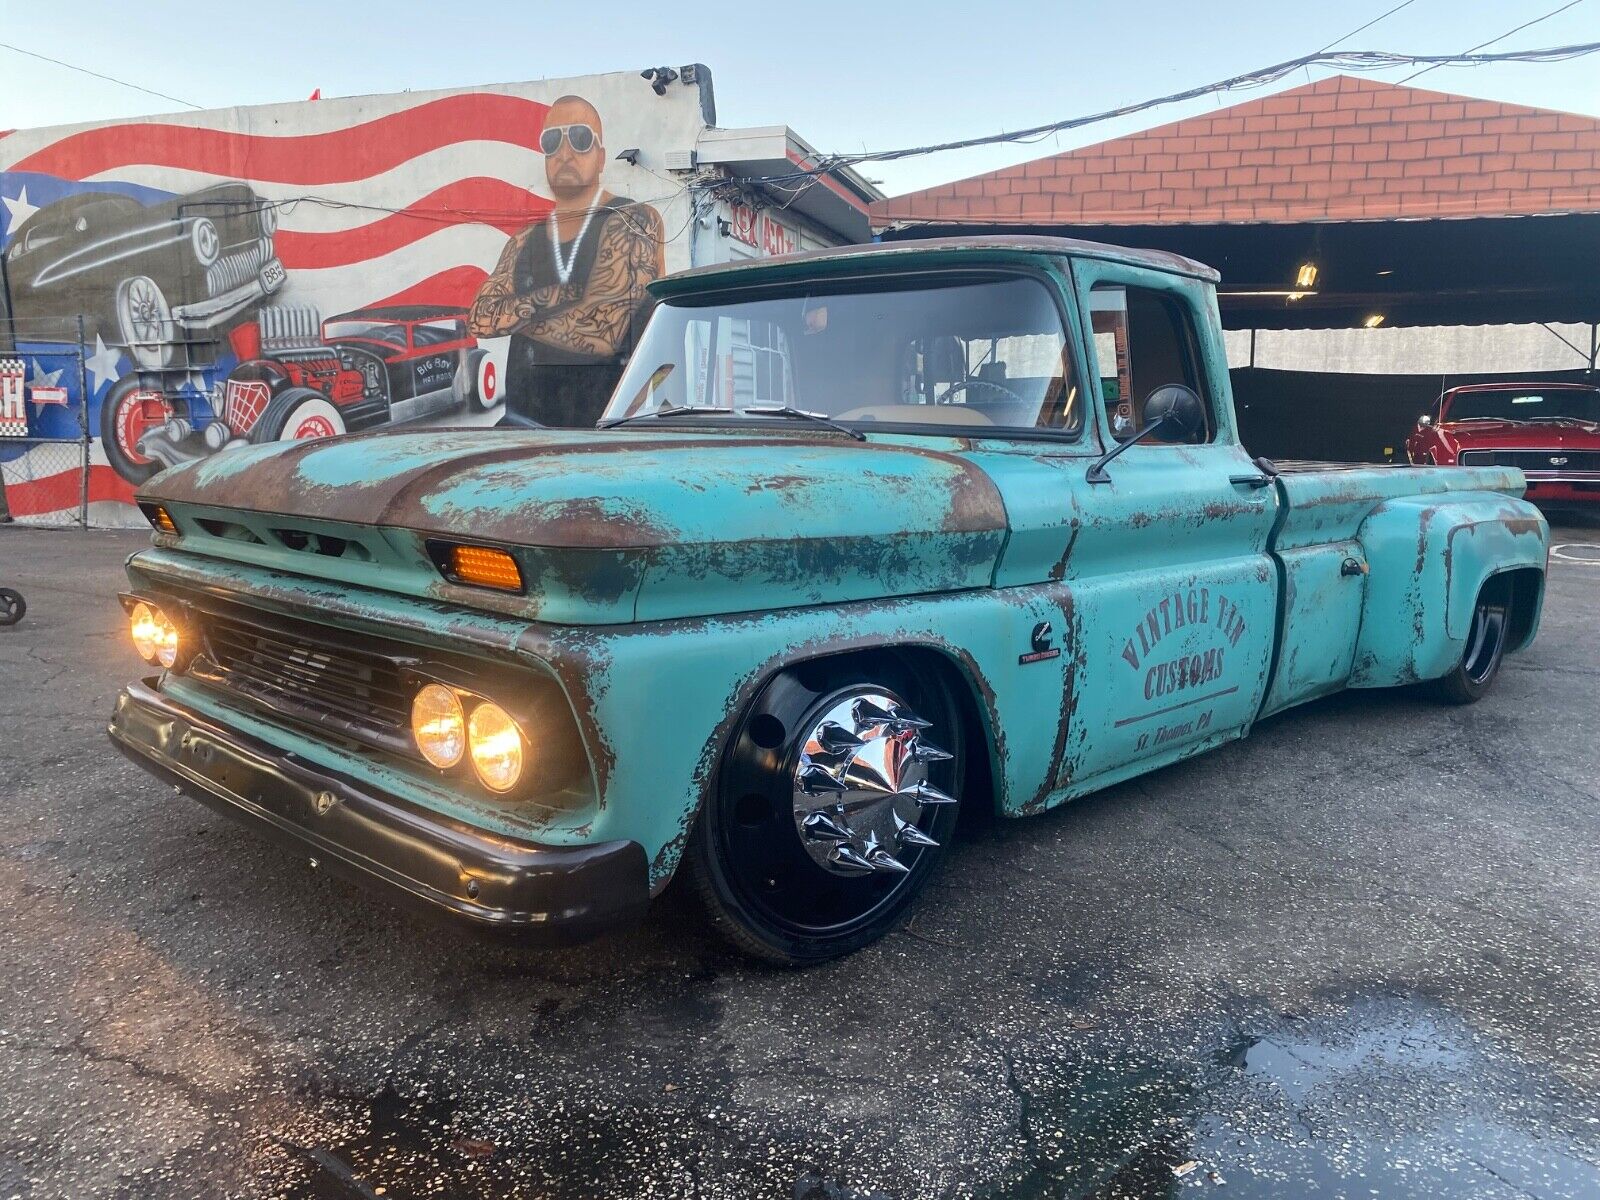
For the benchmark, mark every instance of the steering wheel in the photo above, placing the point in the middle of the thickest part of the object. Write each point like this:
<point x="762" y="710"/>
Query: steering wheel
<point x="962" y="385"/>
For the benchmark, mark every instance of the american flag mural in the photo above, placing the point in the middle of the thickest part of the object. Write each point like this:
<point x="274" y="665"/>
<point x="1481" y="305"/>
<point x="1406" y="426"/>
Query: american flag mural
<point x="220" y="261"/>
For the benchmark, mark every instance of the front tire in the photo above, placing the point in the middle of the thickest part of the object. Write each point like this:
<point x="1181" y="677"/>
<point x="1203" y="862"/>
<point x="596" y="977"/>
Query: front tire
<point x="12" y="606"/>
<point x="297" y="414"/>
<point x="1480" y="662"/>
<point x="830" y="810"/>
<point x="128" y="412"/>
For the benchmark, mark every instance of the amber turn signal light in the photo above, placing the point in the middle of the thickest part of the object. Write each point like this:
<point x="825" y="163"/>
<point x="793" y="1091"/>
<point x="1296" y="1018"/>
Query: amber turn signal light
<point x="484" y="566"/>
<point x="160" y="518"/>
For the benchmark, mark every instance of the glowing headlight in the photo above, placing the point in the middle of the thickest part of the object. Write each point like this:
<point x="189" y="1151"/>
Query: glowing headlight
<point x="496" y="744"/>
<point x="146" y="631"/>
<point x="438" y="725"/>
<point x="166" y="641"/>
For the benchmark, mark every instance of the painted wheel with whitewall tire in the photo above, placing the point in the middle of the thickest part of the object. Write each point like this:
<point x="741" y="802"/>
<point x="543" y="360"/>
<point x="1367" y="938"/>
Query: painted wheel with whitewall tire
<point x="1485" y="649"/>
<point x="145" y="320"/>
<point x="830" y="811"/>
<point x="482" y="380"/>
<point x="128" y="412"/>
<point x="295" y="414"/>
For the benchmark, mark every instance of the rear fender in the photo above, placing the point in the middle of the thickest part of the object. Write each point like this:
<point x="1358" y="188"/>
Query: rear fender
<point x="1429" y="558"/>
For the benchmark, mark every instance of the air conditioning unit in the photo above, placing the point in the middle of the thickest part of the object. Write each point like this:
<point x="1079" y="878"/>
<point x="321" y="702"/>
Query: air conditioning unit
<point x="679" y="160"/>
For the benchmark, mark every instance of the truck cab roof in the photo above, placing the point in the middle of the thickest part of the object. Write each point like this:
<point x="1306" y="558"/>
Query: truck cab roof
<point x="837" y="258"/>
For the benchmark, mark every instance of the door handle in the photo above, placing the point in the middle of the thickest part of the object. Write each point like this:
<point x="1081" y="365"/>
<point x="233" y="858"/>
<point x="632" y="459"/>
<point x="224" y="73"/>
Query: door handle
<point x="1255" y="481"/>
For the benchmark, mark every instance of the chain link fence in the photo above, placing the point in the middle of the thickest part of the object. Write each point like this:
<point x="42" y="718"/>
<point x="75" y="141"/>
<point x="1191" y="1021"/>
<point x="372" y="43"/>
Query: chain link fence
<point x="44" y="424"/>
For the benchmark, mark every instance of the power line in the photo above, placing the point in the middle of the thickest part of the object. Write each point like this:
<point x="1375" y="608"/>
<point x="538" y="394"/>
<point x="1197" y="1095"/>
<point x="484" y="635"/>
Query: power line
<point x="85" y="71"/>
<point x="1344" y="60"/>
<point x="1525" y="25"/>
<point x="1362" y="28"/>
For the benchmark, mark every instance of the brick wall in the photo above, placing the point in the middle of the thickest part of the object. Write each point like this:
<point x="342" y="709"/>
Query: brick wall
<point x="1340" y="149"/>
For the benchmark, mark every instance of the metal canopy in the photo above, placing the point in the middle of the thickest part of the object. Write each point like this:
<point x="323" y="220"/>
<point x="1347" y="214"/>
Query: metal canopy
<point x="1474" y="271"/>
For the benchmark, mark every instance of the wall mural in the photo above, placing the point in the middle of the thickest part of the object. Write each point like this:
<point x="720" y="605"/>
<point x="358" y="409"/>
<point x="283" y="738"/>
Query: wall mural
<point x="251" y="275"/>
<point x="569" y="288"/>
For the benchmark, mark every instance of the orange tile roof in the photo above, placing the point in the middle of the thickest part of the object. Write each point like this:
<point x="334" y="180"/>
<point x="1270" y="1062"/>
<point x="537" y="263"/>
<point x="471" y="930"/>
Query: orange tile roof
<point x="1340" y="149"/>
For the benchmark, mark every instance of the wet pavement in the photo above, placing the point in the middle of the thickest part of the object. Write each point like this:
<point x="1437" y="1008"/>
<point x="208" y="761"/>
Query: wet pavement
<point x="1354" y="956"/>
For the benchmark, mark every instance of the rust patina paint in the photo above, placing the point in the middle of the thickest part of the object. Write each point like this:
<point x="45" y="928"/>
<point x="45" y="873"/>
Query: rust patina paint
<point x="672" y="573"/>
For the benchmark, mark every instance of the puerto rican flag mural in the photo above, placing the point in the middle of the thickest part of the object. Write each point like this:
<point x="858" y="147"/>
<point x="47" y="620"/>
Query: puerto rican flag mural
<point x="292" y="270"/>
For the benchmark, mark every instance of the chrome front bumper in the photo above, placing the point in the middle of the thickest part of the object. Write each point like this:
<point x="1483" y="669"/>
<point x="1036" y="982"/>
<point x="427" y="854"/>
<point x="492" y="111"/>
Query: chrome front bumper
<point x="548" y="893"/>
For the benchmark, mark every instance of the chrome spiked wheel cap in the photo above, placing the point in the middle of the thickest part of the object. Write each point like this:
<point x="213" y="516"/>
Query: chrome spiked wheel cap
<point x="861" y="786"/>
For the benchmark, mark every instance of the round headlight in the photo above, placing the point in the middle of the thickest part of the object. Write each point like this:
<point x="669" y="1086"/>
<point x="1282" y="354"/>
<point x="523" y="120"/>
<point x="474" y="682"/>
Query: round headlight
<point x="206" y="241"/>
<point x="268" y="216"/>
<point x="166" y="641"/>
<point x="496" y="747"/>
<point x="438" y="725"/>
<point x="146" y="633"/>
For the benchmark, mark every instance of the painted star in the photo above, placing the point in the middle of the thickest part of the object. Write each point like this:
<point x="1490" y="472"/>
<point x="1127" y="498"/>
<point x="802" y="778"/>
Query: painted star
<point x="105" y="364"/>
<point x="19" y="208"/>
<point x="43" y="378"/>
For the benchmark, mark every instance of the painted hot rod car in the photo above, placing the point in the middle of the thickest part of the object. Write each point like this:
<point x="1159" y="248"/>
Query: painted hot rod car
<point x="376" y="366"/>
<point x="150" y="276"/>
<point x="310" y="379"/>
<point x="856" y="545"/>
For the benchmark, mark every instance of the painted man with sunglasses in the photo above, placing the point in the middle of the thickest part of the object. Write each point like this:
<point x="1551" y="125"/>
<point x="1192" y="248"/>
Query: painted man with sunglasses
<point x="569" y="289"/>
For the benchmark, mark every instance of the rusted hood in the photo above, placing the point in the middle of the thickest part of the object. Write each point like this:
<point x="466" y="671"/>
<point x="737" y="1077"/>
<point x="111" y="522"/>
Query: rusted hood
<point x="639" y="524"/>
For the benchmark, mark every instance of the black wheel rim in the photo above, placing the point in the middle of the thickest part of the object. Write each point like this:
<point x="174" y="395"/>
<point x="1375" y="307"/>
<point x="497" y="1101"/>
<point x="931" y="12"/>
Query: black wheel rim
<point x="1484" y="642"/>
<point x="764" y="859"/>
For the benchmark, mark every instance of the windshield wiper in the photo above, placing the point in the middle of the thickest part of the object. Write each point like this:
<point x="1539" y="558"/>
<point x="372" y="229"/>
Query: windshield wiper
<point x="666" y="410"/>
<point x="800" y="414"/>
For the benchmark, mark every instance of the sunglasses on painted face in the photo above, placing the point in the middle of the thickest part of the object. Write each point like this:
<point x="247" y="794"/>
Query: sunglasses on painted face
<point x="579" y="137"/>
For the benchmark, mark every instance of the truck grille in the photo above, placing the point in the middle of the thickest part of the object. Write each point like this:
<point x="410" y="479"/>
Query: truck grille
<point x="309" y="677"/>
<point x="1534" y="461"/>
<point x="240" y="267"/>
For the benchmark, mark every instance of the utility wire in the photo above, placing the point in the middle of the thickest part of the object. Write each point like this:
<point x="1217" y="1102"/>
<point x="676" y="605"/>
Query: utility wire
<point x="1346" y="60"/>
<point x="108" y="78"/>
<point x="1362" y="28"/>
<point x="1525" y="25"/>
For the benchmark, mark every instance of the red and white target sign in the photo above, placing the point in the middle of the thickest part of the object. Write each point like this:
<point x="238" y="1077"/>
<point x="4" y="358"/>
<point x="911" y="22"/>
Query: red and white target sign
<point x="13" y="415"/>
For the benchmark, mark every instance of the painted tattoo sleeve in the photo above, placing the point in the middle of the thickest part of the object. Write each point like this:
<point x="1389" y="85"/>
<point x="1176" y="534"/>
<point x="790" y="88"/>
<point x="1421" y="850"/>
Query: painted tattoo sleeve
<point x="595" y="322"/>
<point x="498" y="308"/>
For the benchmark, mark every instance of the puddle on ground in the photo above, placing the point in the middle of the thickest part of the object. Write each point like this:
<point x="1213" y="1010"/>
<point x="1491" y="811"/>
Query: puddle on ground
<point x="1389" y="1098"/>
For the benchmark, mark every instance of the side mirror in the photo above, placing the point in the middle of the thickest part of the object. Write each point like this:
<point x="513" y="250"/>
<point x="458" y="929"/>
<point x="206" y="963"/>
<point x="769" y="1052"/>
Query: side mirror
<point x="1178" y="409"/>
<point x="1424" y="421"/>
<point x="1174" y="407"/>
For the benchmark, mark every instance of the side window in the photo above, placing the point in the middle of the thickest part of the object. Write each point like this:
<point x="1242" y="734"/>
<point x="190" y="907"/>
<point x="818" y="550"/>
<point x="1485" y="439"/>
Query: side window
<point x="1143" y="340"/>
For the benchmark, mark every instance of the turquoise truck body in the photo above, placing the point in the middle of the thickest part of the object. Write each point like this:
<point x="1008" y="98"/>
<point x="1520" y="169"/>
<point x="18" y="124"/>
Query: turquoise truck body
<point x="1091" y="631"/>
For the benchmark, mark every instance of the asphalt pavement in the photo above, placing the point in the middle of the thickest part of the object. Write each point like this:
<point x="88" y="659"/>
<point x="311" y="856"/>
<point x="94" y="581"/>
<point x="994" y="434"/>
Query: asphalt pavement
<point x="1354" y="955"/>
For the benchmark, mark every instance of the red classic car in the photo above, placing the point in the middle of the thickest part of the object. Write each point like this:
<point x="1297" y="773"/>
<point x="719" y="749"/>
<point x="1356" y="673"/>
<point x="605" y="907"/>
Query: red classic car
<point x="1550" y="430"/>
<point x="379" y="366"/>
<point x="303" y="377"/>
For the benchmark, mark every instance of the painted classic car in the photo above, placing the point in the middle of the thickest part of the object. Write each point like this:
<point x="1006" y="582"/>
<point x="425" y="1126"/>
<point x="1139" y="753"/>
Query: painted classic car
<point x="150" y="276"/>
<point x="304" y="377"/>
<point x="1549" y="431"/>
<point x="855" y="546"/>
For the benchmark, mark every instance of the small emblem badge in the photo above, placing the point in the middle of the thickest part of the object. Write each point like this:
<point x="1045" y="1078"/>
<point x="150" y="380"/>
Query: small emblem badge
<point x="1558" y="460"/>
<point x="1042" y="649"/>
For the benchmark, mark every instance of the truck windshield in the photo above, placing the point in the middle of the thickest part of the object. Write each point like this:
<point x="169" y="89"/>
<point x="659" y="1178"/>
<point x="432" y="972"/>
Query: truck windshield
<point x="1573" y="404"/>
<point x="962" y="353"/>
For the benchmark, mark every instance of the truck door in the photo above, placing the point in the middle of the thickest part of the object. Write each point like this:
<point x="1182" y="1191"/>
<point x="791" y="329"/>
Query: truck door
<point x="1173" y="580"/>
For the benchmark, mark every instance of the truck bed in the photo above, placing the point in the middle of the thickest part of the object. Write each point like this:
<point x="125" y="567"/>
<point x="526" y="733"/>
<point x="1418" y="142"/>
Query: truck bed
<point x="1328" y="502"/>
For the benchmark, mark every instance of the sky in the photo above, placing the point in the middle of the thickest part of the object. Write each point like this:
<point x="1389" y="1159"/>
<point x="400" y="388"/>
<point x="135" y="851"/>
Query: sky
<point x="844" y="76"/>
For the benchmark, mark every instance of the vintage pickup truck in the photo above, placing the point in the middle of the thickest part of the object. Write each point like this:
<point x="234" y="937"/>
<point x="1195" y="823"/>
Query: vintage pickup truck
<point x="866" y="535"/>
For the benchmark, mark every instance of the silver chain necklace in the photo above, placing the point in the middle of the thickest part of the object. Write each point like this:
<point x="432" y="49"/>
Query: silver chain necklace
<point x="564" y="269"/>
